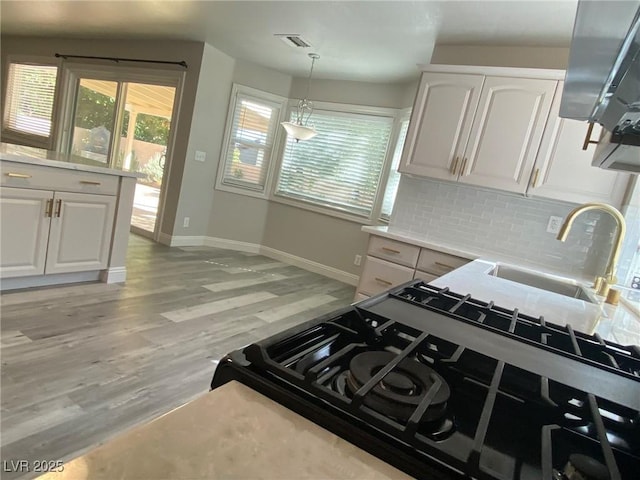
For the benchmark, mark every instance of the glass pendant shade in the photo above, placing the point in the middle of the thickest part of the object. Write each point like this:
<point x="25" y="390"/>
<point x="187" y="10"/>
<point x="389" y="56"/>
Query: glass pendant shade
<point x="299" y="129"/>
<point x="299" y="132"/>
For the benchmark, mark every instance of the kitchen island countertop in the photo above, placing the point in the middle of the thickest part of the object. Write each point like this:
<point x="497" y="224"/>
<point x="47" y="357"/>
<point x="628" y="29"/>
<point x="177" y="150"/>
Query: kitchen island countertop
<point x="39" y="156"/>
<point x="230" y="432"/>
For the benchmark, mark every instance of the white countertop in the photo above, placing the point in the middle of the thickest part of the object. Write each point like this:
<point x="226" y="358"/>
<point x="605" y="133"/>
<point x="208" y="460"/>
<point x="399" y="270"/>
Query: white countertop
<point x="47" y="158"/>
<point x="619" y="324"/>
<point x="230" y="432"/>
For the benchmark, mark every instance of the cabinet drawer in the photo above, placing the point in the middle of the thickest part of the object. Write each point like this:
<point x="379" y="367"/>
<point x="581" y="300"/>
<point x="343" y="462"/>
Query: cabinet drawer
<point x="378" y="276"/>
<point x="396" y="252"/>
<point x="438" y="263"/>
<point x="21" y="175"/>
<point x="427" y="277"/>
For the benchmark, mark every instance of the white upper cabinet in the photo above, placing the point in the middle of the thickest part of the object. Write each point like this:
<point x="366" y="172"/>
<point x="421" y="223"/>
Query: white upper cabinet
<point x="479" y="125"/>
<point x="563" y="170"/>
<point x="440" y="124"/>
<point x="506" y="132"/>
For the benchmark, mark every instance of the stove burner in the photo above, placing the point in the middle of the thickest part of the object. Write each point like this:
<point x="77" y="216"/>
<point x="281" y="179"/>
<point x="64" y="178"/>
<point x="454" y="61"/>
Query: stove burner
<point x="399" y="393"/>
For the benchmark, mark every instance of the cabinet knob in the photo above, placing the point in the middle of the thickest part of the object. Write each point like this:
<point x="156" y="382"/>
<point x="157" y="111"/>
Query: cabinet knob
<point x="587" y="137"/>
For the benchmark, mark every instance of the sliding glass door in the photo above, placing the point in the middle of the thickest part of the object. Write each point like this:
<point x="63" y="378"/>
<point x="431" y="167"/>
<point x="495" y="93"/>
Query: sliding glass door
<point x="123" y="120"/>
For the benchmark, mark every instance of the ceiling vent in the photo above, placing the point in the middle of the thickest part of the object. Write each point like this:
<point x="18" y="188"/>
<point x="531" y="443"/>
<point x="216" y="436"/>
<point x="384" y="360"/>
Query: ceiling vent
<point x="293" y="40"/>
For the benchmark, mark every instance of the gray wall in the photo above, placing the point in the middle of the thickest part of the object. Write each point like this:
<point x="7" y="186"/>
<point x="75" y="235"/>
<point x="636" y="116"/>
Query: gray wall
<point x="191" y="52"/>
<point x="315" y="236"/>
<point x="207" y="130"/>
<point x="240" y="217"/>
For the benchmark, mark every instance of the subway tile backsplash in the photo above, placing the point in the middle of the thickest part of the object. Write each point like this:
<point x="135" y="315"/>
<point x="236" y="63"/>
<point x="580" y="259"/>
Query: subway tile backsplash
<point x="492" y="222"/>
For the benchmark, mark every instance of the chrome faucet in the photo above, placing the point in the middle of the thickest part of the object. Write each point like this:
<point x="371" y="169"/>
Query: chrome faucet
<point x="602" y="284"/>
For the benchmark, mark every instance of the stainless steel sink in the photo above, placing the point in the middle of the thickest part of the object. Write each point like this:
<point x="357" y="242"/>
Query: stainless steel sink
<point x="542" y="282"/>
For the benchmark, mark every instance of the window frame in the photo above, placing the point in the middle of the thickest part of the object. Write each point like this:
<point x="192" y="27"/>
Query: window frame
<point x="331" y="107"/>
<point x="404" y="114"/>
<point x="14" y="136"/>
<point x="264" y="193"/>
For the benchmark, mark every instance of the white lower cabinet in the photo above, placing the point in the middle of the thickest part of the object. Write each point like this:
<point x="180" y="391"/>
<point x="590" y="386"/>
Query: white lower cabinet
<point x="25" y="211"/>
<point x="390" y="263"/>
<point x="59" y="232"/>
<point x="80" y="232"/>
<point x="380" y="275"/>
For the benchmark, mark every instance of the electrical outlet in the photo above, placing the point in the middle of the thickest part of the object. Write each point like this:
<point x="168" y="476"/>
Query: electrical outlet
<point x="185" y="222"/>
<point x="357" y="260"/>
<point x="200" y="156"/>
<point x="554" y="224"/>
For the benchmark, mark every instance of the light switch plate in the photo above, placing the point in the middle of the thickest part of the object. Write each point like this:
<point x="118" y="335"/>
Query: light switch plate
<point x="200" y="156"/>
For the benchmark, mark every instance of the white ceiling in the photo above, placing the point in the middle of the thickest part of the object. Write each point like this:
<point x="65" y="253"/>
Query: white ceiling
<point x="358" y="40"/>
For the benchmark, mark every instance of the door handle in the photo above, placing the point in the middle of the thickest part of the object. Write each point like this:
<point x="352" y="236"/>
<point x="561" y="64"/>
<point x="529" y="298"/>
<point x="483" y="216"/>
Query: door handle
<point x="534" y="180"/>
<point x="58" y="208"/>
<point x="454" y="166"/>
<point x="18" y="175"/>
<point x="587" y="137"/>
<point x="48" y="210"/>
<point x="463" y="167"/>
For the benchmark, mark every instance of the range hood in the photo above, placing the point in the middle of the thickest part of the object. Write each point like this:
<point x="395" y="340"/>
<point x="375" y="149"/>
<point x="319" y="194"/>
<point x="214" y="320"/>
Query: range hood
<point x="603" y="79"/>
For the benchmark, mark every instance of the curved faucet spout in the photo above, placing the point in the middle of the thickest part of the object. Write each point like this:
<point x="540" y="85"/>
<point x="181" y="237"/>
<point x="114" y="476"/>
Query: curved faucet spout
<point x="610" y="273"/>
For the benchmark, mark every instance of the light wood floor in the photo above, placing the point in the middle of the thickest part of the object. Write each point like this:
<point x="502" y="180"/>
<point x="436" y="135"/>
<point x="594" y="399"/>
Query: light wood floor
<point x="82" y="363"/>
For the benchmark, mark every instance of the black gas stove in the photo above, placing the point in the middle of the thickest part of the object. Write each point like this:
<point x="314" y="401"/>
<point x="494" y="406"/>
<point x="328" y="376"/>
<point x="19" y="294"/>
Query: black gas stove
<point x="444" y="386"/>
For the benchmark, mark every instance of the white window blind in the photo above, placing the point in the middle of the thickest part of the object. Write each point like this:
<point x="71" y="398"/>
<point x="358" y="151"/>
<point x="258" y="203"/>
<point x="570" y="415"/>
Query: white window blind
<point x="29" y="98"/>
<point x="250" y="142"/>
<point x="340" y="167"/>
<point x="394" y="177"/>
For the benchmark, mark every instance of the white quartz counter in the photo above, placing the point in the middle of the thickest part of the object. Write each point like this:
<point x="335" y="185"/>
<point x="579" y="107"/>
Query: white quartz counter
<point x="230" y="432"/>
<point x="39" y="156"/>
<point x="619" y="324"/>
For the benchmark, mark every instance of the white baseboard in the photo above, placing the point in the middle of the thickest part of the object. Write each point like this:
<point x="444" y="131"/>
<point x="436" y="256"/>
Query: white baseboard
<point x="46" y="280"/>
<point x="315" y="267"/>
<point x="187" y="241"/>
<point x="114" y="275"/>
<point x="238" y="246"/>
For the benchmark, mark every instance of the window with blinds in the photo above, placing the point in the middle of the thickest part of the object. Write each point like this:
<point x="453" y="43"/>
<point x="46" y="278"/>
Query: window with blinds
<point x="393" y="181"/>
<point x="29" y="99"/>
<point x="248" y="153"/>
<point x="340" y="167"/>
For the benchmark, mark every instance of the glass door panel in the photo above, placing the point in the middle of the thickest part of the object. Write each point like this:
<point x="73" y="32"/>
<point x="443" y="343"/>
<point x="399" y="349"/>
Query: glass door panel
<point x="94" y="118"/>
<point x="143" y="141"/>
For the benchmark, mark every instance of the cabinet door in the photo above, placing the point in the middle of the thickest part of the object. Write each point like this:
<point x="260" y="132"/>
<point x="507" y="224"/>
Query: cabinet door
<point x="80" y="232"/>
<point x="24" y="230"/>
<point x="506" y="132"/>
<point x="563" y="170"/>
<point x="440" y="124"/>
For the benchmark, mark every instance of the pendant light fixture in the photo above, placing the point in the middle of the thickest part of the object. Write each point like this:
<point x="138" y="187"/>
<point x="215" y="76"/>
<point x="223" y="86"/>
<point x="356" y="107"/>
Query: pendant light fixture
<point x="300" y="130"/>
